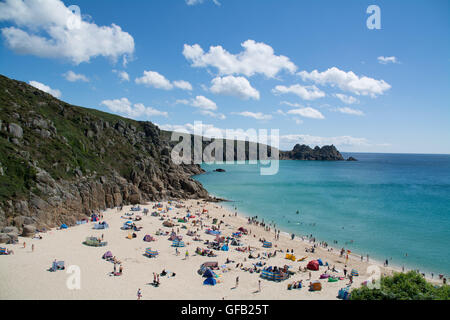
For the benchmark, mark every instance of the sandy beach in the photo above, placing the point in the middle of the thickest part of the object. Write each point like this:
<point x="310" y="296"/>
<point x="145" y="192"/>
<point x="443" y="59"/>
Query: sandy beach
<point x="25" y="275"/>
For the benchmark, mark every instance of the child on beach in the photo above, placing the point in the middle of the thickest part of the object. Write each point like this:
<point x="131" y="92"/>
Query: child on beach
<point x="139" y="294"/>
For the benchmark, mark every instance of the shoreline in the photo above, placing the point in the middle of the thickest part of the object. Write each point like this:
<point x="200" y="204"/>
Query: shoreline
<point x="25" y="275"/>
<point x="354" y="255"/>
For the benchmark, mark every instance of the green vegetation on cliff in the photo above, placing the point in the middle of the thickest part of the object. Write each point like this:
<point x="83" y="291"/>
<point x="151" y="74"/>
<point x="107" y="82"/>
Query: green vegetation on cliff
<point x="403" y="286"/>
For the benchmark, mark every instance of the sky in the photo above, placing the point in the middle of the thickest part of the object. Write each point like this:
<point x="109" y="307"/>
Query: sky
<point x="314" y="70"/>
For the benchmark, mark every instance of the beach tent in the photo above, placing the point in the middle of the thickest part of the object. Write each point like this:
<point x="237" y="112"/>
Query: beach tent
<point x="313" y="265"/>
<point x="151" y="253"/>
<point x="267" y="244"/>
<point x="107" y="255"/>
<point x="315" y="286"/>
<point x="224" y="248"/>
<point x="208" y="273"/>
<point x="320" y="262"/>
<point x="210" y="281"/>
<point x="355" y="273"/>
<point x="344" y="294"/>
<point x="63" y="226"/>
<point x="3" y="251"/>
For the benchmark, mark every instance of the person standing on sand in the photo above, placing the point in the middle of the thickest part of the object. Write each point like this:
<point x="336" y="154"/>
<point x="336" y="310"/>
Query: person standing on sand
<point x="259" y="285"/>
<point x="237" y="282"/>
<point x="187" y="255"/>
<point x="139" y="294"/>
<point x="32" y="247"/>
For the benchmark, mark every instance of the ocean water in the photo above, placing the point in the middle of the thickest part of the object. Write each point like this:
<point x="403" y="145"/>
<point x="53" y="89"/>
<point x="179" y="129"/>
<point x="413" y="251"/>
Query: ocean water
<point x="390" y="206"/>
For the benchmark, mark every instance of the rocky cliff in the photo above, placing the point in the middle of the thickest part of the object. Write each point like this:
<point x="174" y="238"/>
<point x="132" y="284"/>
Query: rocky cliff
<point x="58" y="161"/>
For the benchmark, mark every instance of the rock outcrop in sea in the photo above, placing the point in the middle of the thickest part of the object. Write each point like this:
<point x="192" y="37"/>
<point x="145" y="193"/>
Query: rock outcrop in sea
<point x="304" y="152"/>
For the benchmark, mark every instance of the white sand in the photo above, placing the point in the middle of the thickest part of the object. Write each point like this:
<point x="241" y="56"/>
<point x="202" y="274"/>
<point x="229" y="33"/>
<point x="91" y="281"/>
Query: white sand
<point x="24" y="274"/>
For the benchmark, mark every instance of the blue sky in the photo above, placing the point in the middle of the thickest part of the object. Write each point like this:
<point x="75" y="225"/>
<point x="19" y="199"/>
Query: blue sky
<point x="311" y="69"/>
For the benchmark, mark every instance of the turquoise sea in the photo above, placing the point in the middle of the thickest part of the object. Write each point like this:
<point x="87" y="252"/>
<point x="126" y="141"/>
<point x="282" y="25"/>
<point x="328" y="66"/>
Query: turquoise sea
<point x="390" y="205"/>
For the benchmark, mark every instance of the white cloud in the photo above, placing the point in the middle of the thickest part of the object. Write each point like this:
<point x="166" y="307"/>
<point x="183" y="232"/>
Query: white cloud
<point x="286" y="141"/>
<point x="47" y="28"/>
<point x="291" y="104"/>
<point x="210" y="131"/>
<point x="292" y="139"/>
<point x="234" y="86"/>
<point x="72" y="77"/>
<point x="157" y="80"/>
<point x="386" y="60"/>
<point x="123" y="75"/>
<point x="304" y="92"/>
<point x="125" y="107"/>
<point x="181" y="84"/>
<point x="348" y="110"/>
<point x="346" y="99"/>
<point x="307" y="112"/>
<point x="257" y="58"/>
<point x="54" y="92"/>
<point x="206" y="106"/>
<point x="203" y="103"/>
<point x="257" y="115"/>
<point x="209" y="113"/>
<point x="154" y="79"/>
<point x="195" y="2"/>
<point x="347" y="81"/>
